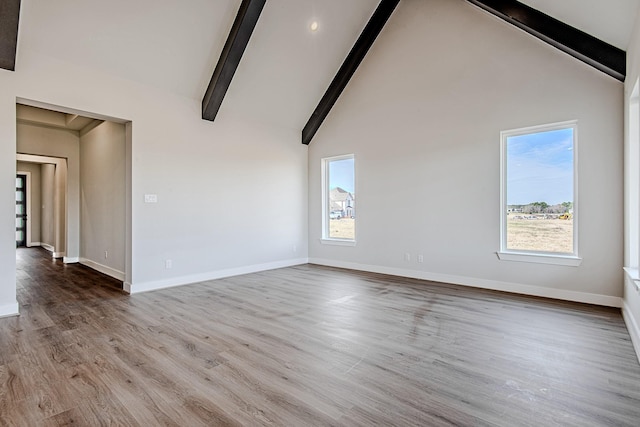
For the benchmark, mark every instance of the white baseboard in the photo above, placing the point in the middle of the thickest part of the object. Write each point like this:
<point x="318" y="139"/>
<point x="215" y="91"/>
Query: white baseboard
<point x="9" y="310"/>
<point x="34" y="244"/>
<point x="70" y="259"/>
<point x="112" y="272"/>
<point x="633" y="327"/>
<point x="212" y="275"/>
<point x="48" y="247"/>
<point x="517" y="288"/>
<point x="58" y="254"/>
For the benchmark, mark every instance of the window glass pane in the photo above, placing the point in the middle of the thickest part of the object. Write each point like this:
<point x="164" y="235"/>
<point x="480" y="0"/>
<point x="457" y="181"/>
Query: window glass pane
<point x="539" y="191"/>
<point x="341" y="199"/>
<point x="19" y="196"/>
<point x="19" y="209"/>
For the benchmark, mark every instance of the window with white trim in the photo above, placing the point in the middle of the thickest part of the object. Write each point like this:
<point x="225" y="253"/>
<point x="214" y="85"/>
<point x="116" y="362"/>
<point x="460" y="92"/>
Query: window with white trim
<point x="538" y="194"/>
<point x="338" y="199"/>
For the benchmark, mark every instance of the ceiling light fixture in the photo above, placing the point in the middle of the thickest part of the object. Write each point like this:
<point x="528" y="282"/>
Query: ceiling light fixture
<point x="314" y="26"/>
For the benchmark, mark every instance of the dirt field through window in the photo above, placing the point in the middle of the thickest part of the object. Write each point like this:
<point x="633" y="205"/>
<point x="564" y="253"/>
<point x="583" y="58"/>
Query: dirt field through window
<point x="343" y="228"/>
<point x="548" y="235"/>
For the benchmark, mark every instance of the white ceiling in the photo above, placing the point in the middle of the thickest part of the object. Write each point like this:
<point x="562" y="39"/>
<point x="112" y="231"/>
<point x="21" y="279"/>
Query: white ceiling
<point x="33" y="115"/>
<point x="171" y="44"/>
<point x="609" y="20"/>
<point x="175" y="44"/>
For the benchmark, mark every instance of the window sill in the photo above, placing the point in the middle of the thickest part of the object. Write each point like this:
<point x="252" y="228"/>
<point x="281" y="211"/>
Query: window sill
<point x="338" y="242"/>
<point x="567" y="260"/>
<point x="633" y="273"/>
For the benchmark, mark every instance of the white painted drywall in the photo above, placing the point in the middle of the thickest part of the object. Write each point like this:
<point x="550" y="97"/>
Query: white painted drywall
<point x="631" y="300"/>
<point x="102" y="196"/>
<point x="423" y="116"/>
<point x="8" y="303"/>
<point x="34" y="197"/>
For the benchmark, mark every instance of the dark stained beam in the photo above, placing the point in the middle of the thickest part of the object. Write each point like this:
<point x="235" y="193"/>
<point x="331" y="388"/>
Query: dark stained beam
<point x="230" y="57"/>
<point x="9" y="18"/>
<point x="606" y="58"/>
<point x="349" y="67"/>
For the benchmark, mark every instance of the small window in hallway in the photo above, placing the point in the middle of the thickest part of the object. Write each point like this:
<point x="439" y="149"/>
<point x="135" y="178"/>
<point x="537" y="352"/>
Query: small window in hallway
<point x="21" y="210"/>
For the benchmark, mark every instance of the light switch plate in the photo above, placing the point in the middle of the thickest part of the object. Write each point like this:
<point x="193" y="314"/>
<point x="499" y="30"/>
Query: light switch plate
<point x="151" y="198"/>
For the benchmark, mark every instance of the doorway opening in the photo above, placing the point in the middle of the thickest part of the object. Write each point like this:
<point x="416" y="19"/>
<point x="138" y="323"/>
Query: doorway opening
<point x="83" y="186"/>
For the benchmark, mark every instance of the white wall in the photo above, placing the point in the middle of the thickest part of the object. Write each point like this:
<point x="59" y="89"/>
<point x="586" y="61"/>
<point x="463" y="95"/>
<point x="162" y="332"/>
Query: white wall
<point x="423" y="116"/>
<point x="231" y="194"/>
<point x="102" y="198"/>
<point x="631" y="304"/>
<point x="34" y="206"/>
<point x="8" y="303"/>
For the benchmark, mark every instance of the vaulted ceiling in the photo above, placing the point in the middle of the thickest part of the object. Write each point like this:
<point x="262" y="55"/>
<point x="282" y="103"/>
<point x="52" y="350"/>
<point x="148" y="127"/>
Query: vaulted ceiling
<point x="286" y="68"/>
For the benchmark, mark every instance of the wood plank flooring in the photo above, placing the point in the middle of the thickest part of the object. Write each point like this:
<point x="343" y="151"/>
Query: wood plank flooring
<point x="306" y="346"/>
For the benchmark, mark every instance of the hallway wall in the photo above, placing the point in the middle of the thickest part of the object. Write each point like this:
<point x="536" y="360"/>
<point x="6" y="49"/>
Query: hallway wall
<point x="102" y="198"/>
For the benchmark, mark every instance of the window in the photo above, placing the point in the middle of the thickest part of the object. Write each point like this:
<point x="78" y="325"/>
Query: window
<point x="339" y="200"/>
<point x="632" y="180"/>
<point x="538" y="197"/>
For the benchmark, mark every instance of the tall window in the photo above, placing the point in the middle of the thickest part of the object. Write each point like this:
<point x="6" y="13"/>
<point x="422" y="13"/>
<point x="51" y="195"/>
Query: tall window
<point x="339" y="199"/>
<point x="539" y="191"/>
<point x="632" y="181"/>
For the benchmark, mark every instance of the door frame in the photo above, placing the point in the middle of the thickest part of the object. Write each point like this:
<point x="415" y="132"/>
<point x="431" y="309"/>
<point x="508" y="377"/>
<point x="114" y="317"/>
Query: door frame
<point x="61" y="239"/>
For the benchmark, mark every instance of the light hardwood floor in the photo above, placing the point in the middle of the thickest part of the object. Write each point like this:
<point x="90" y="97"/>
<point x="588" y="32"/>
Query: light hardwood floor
<point x="306" y="345"/>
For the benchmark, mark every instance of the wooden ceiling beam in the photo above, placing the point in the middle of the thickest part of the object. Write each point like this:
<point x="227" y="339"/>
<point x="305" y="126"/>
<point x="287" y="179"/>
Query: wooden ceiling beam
<point x="349" y="67"/>
<point x="236" y="43"/>
<point x="601" y="55"/>
<point x="9" y="19"/>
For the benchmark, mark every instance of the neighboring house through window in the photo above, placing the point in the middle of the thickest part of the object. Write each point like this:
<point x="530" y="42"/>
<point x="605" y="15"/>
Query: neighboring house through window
<point x="338" y="200"/>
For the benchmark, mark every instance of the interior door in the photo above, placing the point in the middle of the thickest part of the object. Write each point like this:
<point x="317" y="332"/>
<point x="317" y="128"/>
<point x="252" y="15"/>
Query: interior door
<point x="21" y="210"/>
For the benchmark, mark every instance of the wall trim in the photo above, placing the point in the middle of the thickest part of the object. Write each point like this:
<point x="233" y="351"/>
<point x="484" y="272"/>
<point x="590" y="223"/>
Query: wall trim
<point x="111" y="272"/>
<point x="212" y="275"/>
<point x="58" y="254"/>
<point x="34" y="244"/>
<point x="9" y="310"/>
<point x="48" y="247"/>
<point x="632" y="326"/>
<point x="516" y="288"/>
<point x="70" y="259"/>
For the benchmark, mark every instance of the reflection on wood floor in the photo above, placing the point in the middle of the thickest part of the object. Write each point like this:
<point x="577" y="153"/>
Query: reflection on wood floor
<point x="306" y="345"/>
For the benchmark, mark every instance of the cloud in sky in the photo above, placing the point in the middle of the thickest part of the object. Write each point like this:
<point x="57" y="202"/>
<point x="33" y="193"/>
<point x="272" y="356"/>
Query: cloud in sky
<point x="540" y="167"/>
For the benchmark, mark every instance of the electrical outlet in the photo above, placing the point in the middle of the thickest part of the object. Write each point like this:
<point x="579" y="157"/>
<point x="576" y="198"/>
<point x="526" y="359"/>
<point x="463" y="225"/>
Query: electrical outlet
<point x="295" y="249"/>
<point x="106" y="254"/>
<point x="420" y="258"/>
<point x="407" y="256"/>
<point x="168" y="264"/>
